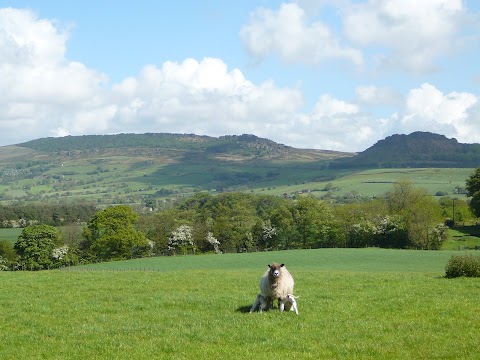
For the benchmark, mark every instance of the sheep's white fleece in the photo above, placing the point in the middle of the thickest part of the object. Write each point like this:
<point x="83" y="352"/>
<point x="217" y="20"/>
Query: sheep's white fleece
<point x="276" y="288"/>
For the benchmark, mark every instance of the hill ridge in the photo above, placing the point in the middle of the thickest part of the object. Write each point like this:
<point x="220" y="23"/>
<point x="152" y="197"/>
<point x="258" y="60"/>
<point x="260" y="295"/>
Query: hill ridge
<point x="140" y="168"/>
<point x="418" y="149"/>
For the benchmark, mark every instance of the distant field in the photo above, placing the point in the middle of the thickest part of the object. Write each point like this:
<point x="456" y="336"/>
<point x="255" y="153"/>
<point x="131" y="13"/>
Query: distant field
<point x="463" y="237"/>
<point x="354" y="304"/>
<point x="378" y="181"/>
<point x="369" y="260"/>
<point x="10" y="234"/>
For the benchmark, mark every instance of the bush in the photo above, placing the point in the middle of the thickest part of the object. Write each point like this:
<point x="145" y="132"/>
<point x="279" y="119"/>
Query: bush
<point x="463" y="265"/>
<point x="3" y="264"/>
<point x="35" y="245"/>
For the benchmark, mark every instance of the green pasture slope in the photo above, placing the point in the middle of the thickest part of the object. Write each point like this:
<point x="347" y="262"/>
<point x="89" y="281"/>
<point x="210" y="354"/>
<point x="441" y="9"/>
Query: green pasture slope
<point x="10" y="234"/>
<point x="376" y="182"/>
<point x="354" y="304"/>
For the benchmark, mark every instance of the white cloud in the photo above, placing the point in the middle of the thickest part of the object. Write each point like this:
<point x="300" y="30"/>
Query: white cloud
<point x="45" y="94"/>
<point x="202" y="97"/>
<point x="373" y="95"/>
<point x="396" y="35"/>
<point x="412" y="33"/>
<point x="40" y="88"/>
<point x="339" y="125"/>
<point x="453" y="115"/>
<point x="26" y="39"/>
<point x="288" y="33"/>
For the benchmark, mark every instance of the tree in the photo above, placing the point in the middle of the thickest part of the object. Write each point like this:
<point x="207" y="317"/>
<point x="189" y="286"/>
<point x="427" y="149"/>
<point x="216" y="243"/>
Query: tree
<point x="314" y="223"/>
<point x="282" y="220"/>
<point x="473" y="190"/>
<point x="35" y="246"/>
<point x="475" y="204"/>
<point x="3" y="264"/>
<point x="213" y="241"/>
<point x="6" y="250"/>
<point x="181" y="241"/>
<point x="159" y="226"/>
<point x="473" y="183"/>
<point x="234" y="218"/>
<point x="402" y="196"/>
<point x="266" y="234"/>
<point x="420" y="211"/>
<point x="455" y="210"/>
<point x="111" y="235"/>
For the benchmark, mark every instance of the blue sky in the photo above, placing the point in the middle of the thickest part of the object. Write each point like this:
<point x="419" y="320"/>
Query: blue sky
<point x="325" y="74"/>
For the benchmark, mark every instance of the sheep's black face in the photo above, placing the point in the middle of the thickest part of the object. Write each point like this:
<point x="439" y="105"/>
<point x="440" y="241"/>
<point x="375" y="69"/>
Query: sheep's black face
<point x="275" y="269"/>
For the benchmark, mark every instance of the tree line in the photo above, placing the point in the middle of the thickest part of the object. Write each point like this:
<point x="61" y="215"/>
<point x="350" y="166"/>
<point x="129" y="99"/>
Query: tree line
<point x="405" y="217"/>
<point x="21" y="215"/>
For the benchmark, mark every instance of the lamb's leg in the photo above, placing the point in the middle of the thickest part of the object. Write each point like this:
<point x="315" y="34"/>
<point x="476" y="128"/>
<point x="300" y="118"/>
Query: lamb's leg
<point x="294" y="306"/>
<point x="256" y="303"/>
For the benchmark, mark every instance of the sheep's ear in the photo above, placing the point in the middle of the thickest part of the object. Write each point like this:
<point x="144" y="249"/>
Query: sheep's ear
<point x="282" y="265"/>
<point x="269" y="265"/>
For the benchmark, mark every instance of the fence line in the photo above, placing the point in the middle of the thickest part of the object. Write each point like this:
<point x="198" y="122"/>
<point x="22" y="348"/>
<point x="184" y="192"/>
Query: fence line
<point x="86" y="269"/>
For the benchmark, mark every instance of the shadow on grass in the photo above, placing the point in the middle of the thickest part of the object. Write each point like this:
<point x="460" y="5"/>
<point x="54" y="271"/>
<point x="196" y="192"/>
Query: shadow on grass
<point x="244" y="309"/>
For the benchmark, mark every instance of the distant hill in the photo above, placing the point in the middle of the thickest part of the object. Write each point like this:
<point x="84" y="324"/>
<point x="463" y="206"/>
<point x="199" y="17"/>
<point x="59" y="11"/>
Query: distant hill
<point x="135" y="168"/>
<point x="245" y="145"/>
<point x="418" y="149"/>
<point x="160" y="168"/>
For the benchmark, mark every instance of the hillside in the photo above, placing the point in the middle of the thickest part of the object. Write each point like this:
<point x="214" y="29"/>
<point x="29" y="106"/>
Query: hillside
<point x="130" y="168"/>
<point x="245" y="146"/>
<point x="419" y="149"/>
<point x="158" y="168"/>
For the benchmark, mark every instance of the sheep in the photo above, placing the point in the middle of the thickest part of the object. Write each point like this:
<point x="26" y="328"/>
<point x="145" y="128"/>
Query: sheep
<point x="276" y="283"/>
<point x="289" y="302"/>
<point x="260" y="303"/>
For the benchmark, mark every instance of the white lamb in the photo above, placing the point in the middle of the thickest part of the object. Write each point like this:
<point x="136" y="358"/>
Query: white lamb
<point x="276" y="284"/>
<point x="289" y="303"/>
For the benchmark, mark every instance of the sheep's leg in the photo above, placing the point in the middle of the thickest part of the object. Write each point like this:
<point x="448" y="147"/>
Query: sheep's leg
<point x="281" y="305"/>
<point x="269" y="303"/>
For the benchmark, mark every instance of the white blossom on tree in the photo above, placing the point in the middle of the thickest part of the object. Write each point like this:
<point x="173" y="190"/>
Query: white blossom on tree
<point x="214" y="242"/>
<point x="60" y="252"/>
<point x="268" y="230"/>
<point x="3" y="264"/>
<point x="181" y="240"/>
<point x="438" y="234"/>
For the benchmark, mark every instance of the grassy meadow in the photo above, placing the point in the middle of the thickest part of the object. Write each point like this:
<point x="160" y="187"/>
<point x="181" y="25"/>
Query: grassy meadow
<point x="369" y="183"/>
<point x="354" y="304"/>
<point x="10" y="234"/>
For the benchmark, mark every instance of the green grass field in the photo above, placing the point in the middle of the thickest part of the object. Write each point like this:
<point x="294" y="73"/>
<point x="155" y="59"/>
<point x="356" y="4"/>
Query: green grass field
<point x="354" y="304"/>
<point x="10" y="234"/>
<point x="376" y="182"/>
<point x="462" y="237"/>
